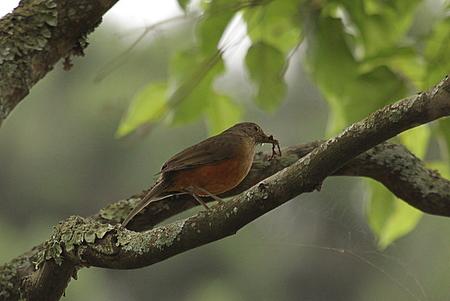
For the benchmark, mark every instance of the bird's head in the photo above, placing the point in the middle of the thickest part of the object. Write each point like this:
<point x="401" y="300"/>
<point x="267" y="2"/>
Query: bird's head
<point x="253" y="131"/>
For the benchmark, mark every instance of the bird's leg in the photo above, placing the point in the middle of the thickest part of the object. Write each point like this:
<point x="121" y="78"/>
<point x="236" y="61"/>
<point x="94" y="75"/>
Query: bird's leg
<point x="190" y="190"/>
<point x="215" y="197"/>
<point x="200" y="201"/>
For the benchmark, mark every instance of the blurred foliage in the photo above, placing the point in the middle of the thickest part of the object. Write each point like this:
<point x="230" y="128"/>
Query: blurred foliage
<point x="389" y="217"/>
<point x="140" y="112"/>
<point x="265" y="67"/>
<point x="361" y="54"/>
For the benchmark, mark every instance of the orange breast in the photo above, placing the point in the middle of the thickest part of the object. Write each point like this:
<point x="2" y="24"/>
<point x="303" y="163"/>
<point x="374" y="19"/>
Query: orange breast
<point x="214" y="178"/>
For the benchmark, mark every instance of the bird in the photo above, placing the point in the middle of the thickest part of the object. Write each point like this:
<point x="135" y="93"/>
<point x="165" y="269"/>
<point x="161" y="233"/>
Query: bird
<point x="210" y="167"/>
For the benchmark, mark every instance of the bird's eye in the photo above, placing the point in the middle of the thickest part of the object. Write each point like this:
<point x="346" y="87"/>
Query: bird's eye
<point x="256" y="128"/>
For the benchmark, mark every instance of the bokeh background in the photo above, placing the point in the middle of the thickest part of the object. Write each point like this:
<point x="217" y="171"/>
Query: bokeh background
<point x="59" y="157"/>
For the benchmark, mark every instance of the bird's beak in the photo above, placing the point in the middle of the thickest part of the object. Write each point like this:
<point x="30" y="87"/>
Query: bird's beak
<point x="267" y="139"/>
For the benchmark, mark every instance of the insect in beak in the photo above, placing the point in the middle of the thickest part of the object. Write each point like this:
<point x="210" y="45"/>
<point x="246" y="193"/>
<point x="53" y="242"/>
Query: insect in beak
<point x="275" y="146"/>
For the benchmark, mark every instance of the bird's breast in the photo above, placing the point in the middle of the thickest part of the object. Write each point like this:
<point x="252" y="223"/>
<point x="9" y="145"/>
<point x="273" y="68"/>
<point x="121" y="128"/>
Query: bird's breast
<point x="217" y="177"/>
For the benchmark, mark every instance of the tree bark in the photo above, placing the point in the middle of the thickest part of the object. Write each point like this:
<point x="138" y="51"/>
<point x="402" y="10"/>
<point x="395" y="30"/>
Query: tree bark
<point x="35" y="36"/>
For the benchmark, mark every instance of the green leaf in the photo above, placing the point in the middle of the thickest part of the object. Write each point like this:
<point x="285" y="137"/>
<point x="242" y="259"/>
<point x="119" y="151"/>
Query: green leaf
<point x="193" y="71"/>
<point x="380" y="25"/>
<point x="222" y="113"/>
<point x="389" y="217"/>
<point x="183" y="4"/>
<point x="210" y="30"/>
<point x="405" y="61"/>
<point x="332" y="66"/>
<point x="371" y="91"/>
<point x="148" y="105"/>
<point x="380" y="206"/>
<point x="437" y="53"/>
<point x="265" y="65"/>
<point x="276" y="23"/>
<point x="351" y="90"/>
<point x="193" y="76"/>
<point x="444" y="138"/>
<point x="416" y="140"/>
<point x="402" y="221"/>
<point x="215" y="19"/>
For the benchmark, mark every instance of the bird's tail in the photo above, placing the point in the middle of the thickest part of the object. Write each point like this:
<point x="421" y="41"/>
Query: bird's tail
<point x="156" y="191"/>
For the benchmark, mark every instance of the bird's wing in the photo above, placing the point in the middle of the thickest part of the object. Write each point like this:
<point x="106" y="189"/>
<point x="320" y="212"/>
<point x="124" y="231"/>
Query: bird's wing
<point x="208" y="151"/>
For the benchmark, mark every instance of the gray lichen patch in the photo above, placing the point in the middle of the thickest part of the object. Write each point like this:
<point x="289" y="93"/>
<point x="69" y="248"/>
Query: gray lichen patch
<point x="9" y="279"/>
<point x="168" y="234"/>
<point x="141" y="242"/>
<point x="70" y="234"/>
<point x="27" y="29"/>
<point x="118" y="211"/>
<point x="6" y="284"/>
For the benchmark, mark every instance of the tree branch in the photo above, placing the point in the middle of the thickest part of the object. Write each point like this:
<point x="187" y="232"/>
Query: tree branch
<point x="404" y="175"/>
<point x="36" y="35"/>
<point x="134" y="249"/>
<point x="81" y="242"/>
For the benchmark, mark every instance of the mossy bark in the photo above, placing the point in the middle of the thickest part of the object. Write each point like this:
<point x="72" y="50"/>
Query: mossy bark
<point x="36" y="35"/>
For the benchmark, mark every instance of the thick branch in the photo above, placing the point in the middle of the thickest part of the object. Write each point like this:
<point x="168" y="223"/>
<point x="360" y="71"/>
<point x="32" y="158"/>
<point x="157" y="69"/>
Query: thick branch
<point x="35" y="36"/>
<point x="133" y="249"/>
<point x="404" y="175"/>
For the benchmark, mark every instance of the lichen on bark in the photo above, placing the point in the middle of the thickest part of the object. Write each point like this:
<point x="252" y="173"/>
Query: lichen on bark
<point x="24" y="32"/>
<point x="68" y="236"/>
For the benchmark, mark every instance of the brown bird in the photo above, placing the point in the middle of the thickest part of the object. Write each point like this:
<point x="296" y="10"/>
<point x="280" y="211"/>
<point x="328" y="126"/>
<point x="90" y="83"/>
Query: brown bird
<point x="209" y="168"/>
